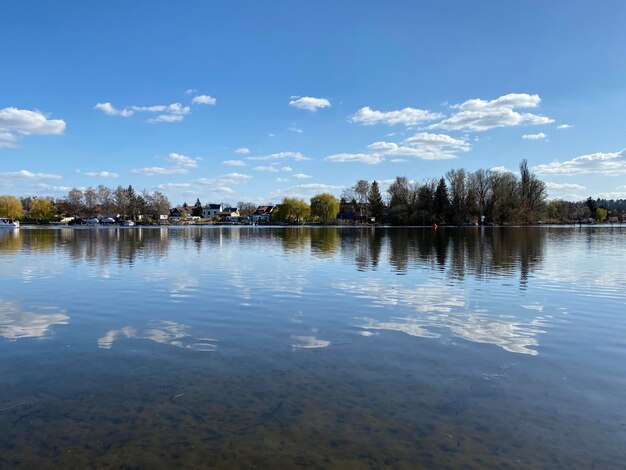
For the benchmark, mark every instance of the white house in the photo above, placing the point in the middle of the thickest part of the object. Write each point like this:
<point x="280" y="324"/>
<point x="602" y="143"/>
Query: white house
<point x="211" y="211"/>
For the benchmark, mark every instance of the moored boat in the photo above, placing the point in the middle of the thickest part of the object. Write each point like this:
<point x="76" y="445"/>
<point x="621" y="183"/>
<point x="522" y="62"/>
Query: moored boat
<point x="9" y="223"/>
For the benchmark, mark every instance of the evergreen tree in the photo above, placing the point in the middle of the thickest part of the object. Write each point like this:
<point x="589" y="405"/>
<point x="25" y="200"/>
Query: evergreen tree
<point x="442" y="201"/>
<point x="197" y="209"/>
<point x="375" y="202"/>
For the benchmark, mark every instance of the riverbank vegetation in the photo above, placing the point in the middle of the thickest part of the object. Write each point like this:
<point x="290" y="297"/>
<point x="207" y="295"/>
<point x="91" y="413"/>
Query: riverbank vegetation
<point x="457" y="198"/>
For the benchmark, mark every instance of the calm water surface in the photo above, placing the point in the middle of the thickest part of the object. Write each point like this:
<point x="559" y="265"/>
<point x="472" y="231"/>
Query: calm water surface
<point x="313" y="348"/>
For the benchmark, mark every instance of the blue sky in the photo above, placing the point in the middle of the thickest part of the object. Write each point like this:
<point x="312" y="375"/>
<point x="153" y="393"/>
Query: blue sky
<point x="230" y="101"/>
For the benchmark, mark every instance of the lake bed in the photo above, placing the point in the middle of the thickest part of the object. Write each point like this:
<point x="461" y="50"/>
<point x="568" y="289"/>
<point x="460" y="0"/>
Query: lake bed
<point x="233" y="347"/>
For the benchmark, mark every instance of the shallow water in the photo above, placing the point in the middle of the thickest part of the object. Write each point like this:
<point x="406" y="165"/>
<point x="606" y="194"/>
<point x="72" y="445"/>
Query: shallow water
<point x="313" y="347"/>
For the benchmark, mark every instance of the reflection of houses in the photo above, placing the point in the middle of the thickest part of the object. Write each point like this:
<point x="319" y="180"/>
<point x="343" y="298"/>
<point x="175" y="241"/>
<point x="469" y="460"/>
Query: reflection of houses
<point x="211" y="211"/>
<point x="263" y="214"/>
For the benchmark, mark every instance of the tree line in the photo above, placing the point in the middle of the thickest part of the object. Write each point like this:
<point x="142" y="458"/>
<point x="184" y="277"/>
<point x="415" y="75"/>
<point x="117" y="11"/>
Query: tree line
<point x="458" y="197"/>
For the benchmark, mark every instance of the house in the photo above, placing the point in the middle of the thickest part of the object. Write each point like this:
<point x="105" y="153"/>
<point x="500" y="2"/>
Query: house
<point x="175" y="215"/>
<point x="230" y="214"/>
<point x="263" y="214"/>
<point x="211" y="211"/>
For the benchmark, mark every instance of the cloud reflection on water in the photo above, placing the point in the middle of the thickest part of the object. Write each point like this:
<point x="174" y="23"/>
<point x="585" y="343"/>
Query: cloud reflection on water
<point x="17" y="324"/>
<point x="440" y="307"/>
<point x="162" y="332"/>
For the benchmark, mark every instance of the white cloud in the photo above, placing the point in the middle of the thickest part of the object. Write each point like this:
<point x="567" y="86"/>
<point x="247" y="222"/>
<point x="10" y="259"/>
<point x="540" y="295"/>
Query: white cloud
<point x="296" y="156"/>
<point x="539" y="136"/>
<point x="295" y="129"/>
<point x="481" y="115"/>
<point x="8" y="140"/>
<point x="233" y="178"/>
<point x="183" y="160"/>
<point x="174" y="186"/>
<point x="204" y="99"/>
<point x="108" y="108"/>
<point x="309" y="103"/>
<point x="421" y="145"/>
<point x="166" y="118"/>
<point x="181" y="166"/>
<point x="102" y="174"/>
<point x="234" y="162"/>
<point x="52" y="188"/>
<point x="157" y="170"/>
<point x="301" y="176"/>
<point x="406" y="116"/>
<point x="29" y="175"/>
<point x="564" y="186"/>
<point x="15" y="122"/>
<point x="564" y="126"/>
<point x="608" y="164"/>
<point x="269" y="168"/>
<point x="174" y="108"/>
<point x="306" y="191"/>
<point x="174" y="112"/>
<point x="425" y="146"/>
<point x="501" y="169"/>
<point x="191" y="91"/>
<point x="367" y="158"/>
<point x="397" y="160"/>
<point x="242" y="151"/>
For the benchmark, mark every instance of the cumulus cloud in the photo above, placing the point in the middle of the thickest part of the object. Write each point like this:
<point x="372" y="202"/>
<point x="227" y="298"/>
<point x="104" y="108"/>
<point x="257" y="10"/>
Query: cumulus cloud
<point x="422" y="145"/>
<point x="539" y="136"/>
<point x="367" y="158"/>
<point x="102" y="174"/>
<point x="29" y="175"/>
<point x="480" y="115"/>
<point x="296" y="156"/>
<point x="174" y="112"/>
<point x="407" y="116"/>
<point x="183" y="160"/>
<point x="234" y="162"/>
<point x="608" y="164"/>
<point x="180" y="166"/>
<point x="204" y="99"/>
<point x="309" y="103"/>
<point x="16" y="122"/>
<point x="108" y="108"/>
<point x="242" y="151"/>
<point x="233" y="178"/>
<point x="301" y="176"/>
<point x="501" y="169"/>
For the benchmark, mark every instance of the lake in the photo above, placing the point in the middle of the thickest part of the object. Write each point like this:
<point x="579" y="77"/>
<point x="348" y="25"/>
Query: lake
<point x="250" y="347"/>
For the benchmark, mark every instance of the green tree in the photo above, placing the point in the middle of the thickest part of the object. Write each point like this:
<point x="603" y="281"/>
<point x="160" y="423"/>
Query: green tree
<point x="10" y="207"/>
<point x="601" y="214"/>
<point x="324" y="206"/>
<point x="375" y="202"/>
<point x="41" y="209"/>
<point x="292" y="211"/>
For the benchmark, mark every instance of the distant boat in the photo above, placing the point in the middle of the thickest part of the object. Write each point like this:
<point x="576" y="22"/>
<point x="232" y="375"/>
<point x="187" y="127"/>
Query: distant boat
<point x="128" y="223"/>
<point x="9" y="223"/>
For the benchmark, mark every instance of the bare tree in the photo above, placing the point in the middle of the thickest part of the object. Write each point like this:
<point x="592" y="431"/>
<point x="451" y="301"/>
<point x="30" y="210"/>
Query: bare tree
<point x="75" y="201"/>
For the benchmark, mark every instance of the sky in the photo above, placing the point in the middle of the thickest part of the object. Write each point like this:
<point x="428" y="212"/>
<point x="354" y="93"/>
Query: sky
<point x="253" y="101"/>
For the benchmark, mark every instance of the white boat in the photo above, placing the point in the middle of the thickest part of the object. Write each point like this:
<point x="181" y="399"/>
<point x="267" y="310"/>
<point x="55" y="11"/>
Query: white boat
<point x="128" y="223"/>
<point x="9" y="223"/>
